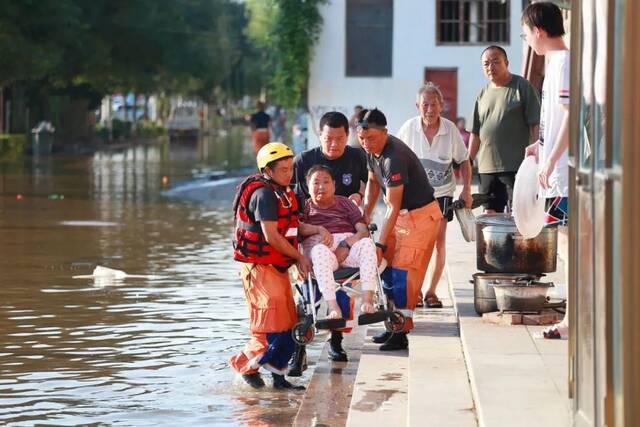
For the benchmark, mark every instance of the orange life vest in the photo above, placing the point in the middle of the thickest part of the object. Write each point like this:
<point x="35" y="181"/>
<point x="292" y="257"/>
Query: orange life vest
<point x="249" y="243"/>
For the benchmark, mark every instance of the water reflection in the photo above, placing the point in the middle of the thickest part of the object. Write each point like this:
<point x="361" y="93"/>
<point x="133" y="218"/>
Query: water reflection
<point x="132" y="352"/>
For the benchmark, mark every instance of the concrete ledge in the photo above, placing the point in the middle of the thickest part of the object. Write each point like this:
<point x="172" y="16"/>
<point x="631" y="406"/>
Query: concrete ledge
<point x="515" y="379"/>
<point x="439" y="392"/>
<point x="326" y="401"/>
<point x="380" y="393"/>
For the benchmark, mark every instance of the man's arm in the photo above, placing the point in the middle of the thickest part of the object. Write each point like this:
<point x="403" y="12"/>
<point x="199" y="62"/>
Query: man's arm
<point x="561" y="145"/>
<point x="474" y="146"/>
<point x="371" y="194"/>
<point x="534" y="130"/>
<point x="465" y="171"/>
<point x="394" y="201"/>
<point x="358" y="197"/>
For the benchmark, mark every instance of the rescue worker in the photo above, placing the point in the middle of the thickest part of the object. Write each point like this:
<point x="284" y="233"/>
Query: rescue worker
<point x="411" y="222"/>
<point x="266" y="243"/>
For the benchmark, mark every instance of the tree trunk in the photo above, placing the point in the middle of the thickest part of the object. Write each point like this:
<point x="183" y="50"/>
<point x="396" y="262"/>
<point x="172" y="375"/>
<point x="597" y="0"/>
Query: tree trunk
<point x="1" y="110"/>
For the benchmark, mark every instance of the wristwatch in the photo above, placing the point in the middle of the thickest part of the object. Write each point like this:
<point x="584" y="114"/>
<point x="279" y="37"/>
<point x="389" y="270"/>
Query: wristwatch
<point x="381" y="246"/>
<point x="344" y="244"/>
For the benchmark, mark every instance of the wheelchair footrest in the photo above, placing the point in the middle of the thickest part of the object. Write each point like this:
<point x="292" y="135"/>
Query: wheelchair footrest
<point x="377" y="317"/>
<point x="330" y="323"/>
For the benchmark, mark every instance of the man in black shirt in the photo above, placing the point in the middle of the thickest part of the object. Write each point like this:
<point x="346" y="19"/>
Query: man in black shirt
<point x="348" y="164"/>
<point x="411" y="221"/>
<point x="349" y="168"/>
<point x="260" y="127"/>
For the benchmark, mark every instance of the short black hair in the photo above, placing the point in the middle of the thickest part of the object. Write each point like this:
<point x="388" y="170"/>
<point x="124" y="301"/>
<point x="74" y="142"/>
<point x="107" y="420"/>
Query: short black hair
<point x="319" y="168"/>
<point x="334" y="119"/>
<point x="495" y="47"/>
<point x="272" y="164"/>
<point x="546" y="16"/>
<point x="374" y="117"/>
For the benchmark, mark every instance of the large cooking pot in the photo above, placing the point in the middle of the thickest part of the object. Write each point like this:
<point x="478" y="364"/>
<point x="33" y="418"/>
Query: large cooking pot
<point x="484" y="297"/>
<point x="500" y="248"/>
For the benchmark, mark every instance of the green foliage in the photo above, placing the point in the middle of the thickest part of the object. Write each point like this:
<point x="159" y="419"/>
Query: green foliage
<point x="12" y="146"/>
<point x="91" y="48"/>
<point x="287" y="30"/>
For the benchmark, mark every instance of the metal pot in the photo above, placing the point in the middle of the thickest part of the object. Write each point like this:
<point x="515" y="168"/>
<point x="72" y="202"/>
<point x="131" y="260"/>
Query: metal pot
<point x="484" y="297"/>
<point x="500" y="248"/>
<point x="522" y="296"/>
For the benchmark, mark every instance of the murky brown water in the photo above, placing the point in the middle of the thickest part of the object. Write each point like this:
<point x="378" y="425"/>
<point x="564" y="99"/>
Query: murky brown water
<point x="138" y="352"/>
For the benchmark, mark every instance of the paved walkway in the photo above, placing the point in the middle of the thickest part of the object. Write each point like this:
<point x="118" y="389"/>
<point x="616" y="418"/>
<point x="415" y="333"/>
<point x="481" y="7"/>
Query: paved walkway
<point x="459" y="370"/>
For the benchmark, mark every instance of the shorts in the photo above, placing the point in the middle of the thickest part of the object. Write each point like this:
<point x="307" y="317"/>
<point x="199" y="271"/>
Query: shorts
<point x="445" y="203"/>
<point x="556" y="211"/>
<point x="500" y="186"/>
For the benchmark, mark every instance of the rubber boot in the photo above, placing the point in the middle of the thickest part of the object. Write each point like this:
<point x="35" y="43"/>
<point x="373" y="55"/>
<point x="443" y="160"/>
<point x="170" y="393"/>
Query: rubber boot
<point x="336" y="352"/>
<point x="254" y="380"/>
<point x="280" y="383"/>
<point x="382" y="337"/>
<point x="298" y="363"/>
<point x="398" y="341"/>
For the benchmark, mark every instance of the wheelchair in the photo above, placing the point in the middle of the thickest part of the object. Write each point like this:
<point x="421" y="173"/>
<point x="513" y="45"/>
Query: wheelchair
<point x="346" y="280"/>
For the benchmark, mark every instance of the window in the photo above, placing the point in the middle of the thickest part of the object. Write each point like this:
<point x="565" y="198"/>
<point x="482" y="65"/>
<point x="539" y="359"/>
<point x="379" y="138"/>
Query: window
<point x="472" y="21"/>
<point x="369" y="38"/>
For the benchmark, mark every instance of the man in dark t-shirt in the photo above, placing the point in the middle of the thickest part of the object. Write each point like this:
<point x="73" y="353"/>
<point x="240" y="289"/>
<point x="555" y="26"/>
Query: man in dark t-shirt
<point x="260" y="127"/>
<point x="411" y="222"/>
<point x="348" y="164"/>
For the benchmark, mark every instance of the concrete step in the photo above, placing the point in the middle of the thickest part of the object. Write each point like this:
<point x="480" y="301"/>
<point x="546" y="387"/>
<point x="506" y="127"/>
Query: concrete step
<point x="380" y="392"/>
<point x="439" y="390"/>
<point x="326" y="401"/>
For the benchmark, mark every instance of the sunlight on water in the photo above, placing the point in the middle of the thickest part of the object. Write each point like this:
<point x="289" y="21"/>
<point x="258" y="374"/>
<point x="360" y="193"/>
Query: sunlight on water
<point x="136" y="351"/>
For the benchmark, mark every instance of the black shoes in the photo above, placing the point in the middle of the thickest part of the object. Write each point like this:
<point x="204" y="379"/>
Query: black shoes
<point x="336" y="352"/>
<point x="279" y="383"/>
<point x="254" y="380"/>
<point x="382" y="337"/>
<point x="298" y="363"/>
<point x="397" y="341"/>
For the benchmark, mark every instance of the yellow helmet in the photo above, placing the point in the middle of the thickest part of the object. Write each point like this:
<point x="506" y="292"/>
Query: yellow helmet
<point x="272" y="151"/>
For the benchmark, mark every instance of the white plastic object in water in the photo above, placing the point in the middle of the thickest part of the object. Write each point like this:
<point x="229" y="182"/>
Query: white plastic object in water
<point x="101" y="272"/>
<point x="528" y="206"/>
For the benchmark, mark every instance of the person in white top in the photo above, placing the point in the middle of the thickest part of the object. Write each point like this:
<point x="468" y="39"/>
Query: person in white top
<point x="543" y="28"/>
<point x="438" y="144"/>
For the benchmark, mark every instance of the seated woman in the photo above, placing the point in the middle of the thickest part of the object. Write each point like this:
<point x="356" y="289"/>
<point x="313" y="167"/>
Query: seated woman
<point x="336" y="235"/>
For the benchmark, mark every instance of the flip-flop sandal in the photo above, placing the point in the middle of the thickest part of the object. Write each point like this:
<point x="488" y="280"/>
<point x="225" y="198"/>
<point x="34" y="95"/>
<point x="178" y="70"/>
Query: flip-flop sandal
<point x="552" y="333"/>
<point x="419" y="304"/>
<point x="432" y="301"/>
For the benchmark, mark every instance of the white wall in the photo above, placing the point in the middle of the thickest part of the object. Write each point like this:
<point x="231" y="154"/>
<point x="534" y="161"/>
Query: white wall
<point x="414" y="49"/>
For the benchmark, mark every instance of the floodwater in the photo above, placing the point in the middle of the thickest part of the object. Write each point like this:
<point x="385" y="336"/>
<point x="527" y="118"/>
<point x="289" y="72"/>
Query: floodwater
<point x="143" y="351"/>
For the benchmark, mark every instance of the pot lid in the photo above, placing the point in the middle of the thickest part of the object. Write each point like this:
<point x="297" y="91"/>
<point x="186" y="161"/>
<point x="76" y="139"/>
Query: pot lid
<point x="528" y="208"/>
<point x="499" y="219"/>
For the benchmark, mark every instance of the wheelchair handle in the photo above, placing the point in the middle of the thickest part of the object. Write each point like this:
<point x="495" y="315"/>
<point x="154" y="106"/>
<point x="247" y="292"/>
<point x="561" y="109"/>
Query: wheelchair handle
<point x="372" y="227"/>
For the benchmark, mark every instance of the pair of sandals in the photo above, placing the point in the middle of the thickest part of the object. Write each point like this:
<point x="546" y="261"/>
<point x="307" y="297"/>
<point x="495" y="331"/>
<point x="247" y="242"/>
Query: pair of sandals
<point x="430" y="301"/>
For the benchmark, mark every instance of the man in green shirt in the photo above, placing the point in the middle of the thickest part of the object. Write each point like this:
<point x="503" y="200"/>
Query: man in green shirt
<point x="505" y="122"/>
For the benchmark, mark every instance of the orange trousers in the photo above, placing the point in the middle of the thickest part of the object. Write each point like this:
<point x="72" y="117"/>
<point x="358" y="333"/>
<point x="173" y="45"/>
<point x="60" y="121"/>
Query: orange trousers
<point x="408" y="254"/>
<point x="260" y="138"/>
<point x="272" y="314"/>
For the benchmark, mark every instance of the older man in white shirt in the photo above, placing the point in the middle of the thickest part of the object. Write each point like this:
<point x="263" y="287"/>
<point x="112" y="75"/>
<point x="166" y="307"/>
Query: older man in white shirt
<point x="438" y="144"/>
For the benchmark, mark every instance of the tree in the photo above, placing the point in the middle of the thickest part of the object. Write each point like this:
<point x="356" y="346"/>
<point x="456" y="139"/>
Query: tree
<point x="288" y="30"/>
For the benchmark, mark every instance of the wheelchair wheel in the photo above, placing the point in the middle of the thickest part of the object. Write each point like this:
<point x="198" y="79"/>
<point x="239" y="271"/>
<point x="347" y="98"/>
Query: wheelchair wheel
<point x="302" y="334"/>
<point x="395" y="322"/>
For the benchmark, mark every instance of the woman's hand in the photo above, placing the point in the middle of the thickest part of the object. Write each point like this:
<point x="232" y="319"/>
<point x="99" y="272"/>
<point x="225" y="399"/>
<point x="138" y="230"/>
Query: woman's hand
<point x="327" y="238"/>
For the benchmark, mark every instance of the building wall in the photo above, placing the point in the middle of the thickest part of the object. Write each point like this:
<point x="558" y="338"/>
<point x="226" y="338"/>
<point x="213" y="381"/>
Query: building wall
<point x="414" y="48"/>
